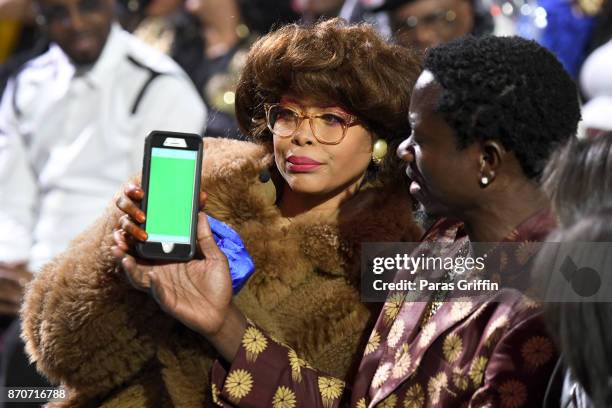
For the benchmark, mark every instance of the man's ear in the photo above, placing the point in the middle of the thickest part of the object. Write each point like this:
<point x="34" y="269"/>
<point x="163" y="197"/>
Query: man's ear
<point x="491" y="159"/>
<point x="493" y="153"/>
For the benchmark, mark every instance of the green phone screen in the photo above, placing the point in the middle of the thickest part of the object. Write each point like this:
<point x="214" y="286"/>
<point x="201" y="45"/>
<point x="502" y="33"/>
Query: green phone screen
<point x="170" y="200"/>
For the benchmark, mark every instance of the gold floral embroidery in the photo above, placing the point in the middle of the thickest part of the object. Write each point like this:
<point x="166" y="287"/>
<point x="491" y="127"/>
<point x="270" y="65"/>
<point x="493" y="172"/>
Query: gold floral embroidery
<point x="373" y="343"/>
<point x="361" y="403"/>
<point x="216" y="392"/>
<point x="388" y="402"/>
<point x="283" y="398"/>
<point x="460" y="309"/>
<point x="427" y="334"/>
<point x="254" y="342"/>
<point x="530" y="303"/>
<point x="330" y="389"/>
<point x="537" y="351"/>
<point x="435" y="386"/>
<point x="238" y="384"/>
<point x="402" y="362"/>
<point x="381" y="375"/>
<point x="415" y="397"/>
<point x="452" y="347"/>
<point x="395" y="334"/>
<point x="494" y="331"/>
<point x="477" y="370"/>
<point x="476" y="313"/>
<point x="513" y="394"/>
<point x="460" y="380"/>
<point x="392" y="307"/>
<point x="296" y="364"/>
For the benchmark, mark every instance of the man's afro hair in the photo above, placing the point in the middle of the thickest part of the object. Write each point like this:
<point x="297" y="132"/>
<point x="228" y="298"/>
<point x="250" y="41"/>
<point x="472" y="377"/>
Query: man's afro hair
<point x="509" y="89"/>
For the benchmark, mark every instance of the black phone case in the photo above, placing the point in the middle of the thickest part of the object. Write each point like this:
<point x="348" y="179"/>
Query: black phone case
<point x="154" y="250"/>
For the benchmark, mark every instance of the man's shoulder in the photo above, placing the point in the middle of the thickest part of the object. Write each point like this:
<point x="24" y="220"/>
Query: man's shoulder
<point x="149" y="79"/>
<point x="40" y="66"/>
<point x="142" y="56"/>
<point x="29" y="84"/>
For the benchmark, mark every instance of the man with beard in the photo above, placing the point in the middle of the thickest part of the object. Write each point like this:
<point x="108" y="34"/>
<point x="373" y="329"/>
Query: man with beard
<point x="427" y="23"/>
<point x="72" y="127"/>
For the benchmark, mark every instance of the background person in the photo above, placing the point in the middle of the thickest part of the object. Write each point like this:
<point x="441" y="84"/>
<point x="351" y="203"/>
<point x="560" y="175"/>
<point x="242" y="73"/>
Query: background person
<point x="580" y="326"/>
<point x="427" y="23"/>
<point x="579" y="181"/>
<point x="596" y="87"/>
<point x="72" y="127"/>
<point x="209" y="39"/>
<point x="213" y="48"/>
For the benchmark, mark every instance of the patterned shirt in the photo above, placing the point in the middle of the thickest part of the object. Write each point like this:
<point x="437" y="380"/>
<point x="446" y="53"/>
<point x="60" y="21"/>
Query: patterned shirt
<point x="471" y="353"/>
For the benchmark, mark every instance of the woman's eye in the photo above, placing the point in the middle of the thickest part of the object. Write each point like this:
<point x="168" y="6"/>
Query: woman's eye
<point x="331" y="120"/>
<point x="286" y="114"/>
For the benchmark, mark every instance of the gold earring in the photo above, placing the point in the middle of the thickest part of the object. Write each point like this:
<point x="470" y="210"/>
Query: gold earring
<point x="379" y="151"/>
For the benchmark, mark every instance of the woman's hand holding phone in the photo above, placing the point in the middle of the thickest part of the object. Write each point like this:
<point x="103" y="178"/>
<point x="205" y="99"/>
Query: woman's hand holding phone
<point x="197" y="292"/>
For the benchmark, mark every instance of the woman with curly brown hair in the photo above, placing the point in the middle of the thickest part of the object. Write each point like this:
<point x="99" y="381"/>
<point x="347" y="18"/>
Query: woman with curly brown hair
<point x="486" y="114"/>
<point x="318" y="102"/>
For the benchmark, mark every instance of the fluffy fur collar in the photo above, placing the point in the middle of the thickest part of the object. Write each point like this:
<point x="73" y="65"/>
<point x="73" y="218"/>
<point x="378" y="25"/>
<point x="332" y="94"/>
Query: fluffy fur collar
<point x="87" y="328"/>
<point x="240" y="196"/>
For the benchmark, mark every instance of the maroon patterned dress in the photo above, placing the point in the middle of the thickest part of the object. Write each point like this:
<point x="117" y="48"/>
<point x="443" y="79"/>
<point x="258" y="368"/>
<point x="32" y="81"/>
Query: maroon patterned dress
<point x="471" y="353"/>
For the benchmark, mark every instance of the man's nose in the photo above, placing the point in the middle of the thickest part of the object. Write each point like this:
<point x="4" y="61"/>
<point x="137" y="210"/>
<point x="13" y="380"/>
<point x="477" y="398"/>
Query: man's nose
<point x="75" y="18"/>
<point x="405" y="150"/>
<point x="425" y="37"/>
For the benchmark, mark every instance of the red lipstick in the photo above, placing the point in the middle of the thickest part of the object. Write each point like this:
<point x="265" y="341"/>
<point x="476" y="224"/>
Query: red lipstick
<point x="301" y="164"/>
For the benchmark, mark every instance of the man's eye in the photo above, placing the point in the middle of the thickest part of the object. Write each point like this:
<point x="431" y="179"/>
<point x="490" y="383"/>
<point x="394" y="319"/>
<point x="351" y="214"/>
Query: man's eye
<point x="89" y="5"/>
<point x="55" y="13"/>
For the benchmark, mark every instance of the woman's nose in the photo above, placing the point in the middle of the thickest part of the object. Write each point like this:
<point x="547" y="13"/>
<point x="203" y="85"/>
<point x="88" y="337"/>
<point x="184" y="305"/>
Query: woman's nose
<point x="303" y="135"/>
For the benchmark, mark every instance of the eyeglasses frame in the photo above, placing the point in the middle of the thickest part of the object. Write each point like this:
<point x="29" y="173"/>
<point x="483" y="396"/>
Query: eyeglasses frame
<point x="353" y="121"/>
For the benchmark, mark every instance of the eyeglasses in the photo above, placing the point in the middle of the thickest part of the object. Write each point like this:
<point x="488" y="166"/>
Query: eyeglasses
<point x="61" y="14"/>
<point x="327" y="127"/>
<point x="436" y="19"/>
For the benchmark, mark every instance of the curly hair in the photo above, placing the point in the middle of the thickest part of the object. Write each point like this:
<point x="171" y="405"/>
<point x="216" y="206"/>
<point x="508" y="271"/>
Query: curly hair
<point x="331" y="61"/>
<point x="508" y="89"/>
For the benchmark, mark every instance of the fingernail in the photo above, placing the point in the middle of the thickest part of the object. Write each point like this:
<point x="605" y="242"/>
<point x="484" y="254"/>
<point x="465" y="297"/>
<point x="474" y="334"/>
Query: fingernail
<point x="142" y="236"/>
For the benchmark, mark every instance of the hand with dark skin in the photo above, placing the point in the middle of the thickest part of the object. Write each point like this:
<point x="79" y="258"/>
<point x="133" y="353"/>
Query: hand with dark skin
<point x="13" y="278"/>
<point x="198" y="293"/>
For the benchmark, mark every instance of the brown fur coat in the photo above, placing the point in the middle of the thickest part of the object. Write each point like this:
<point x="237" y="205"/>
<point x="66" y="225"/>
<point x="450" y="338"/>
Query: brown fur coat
<point x="112" y="346"/>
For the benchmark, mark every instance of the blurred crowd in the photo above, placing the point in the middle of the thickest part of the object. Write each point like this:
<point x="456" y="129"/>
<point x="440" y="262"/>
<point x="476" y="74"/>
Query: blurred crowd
<point x="209" y="39"/>
<point x="84" y="81"/>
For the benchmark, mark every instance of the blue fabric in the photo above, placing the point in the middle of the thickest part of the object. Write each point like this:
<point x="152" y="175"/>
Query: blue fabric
<point x="240" y="263"/>
<point x="567" y="33"/>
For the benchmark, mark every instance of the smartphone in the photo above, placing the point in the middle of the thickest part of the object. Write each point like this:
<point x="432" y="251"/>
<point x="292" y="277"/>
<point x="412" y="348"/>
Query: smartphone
<point x="171" y="170"/>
